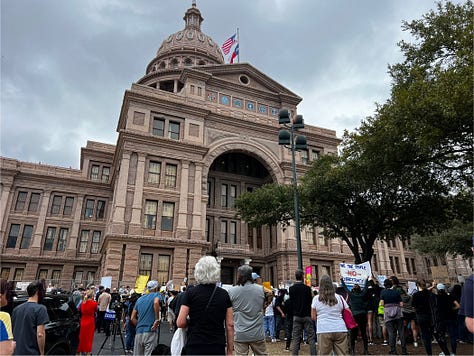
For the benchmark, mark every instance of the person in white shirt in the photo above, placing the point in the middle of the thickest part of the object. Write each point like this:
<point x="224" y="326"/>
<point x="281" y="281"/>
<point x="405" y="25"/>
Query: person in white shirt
<point x="326" y="309"/>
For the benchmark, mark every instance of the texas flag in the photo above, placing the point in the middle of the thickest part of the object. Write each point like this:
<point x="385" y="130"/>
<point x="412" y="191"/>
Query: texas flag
<point x="234" y="54"/>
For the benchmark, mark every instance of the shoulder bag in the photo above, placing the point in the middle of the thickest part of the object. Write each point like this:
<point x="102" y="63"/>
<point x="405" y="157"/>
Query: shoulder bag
<point x="348" y="317"/>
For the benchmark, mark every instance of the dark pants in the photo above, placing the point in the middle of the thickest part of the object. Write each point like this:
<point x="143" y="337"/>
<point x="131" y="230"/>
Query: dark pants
<point x="361" y="320"/>
<point x="301" y="323"/>
<point x="279" y="323"/>
<point x="393" y="327"/>
<point x="288" y="331"/>
<point x="440" y="336"/>
<point x="205" y="349"/>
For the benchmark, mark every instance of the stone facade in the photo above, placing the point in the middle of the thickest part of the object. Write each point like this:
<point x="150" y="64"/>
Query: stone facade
<point x="193" y="134"/>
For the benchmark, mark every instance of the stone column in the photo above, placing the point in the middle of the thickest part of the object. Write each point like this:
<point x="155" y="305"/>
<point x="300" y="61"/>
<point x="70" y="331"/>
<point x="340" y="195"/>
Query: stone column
<point x="183" y="201"/>
<point x="403" y="265"/>
<point x="197" y="228"/>
<point x="135" y="224"/>
<point x="4" y="199"/>
<point x="72" y="245"/>
<point x="118" y="215"/>
<point x="36" y="244"/>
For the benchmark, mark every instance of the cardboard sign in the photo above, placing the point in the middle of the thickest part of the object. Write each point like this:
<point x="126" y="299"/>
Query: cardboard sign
<point x="355" y="274"/>
<point x="140" y="283"/>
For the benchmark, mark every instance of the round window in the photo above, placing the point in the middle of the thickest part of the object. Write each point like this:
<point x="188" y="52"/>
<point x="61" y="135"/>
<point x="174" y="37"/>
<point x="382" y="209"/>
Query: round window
<point x="244" y="79"/>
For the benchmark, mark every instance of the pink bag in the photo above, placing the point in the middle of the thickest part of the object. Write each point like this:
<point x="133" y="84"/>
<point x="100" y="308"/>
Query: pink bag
<point x="348" y="318"/>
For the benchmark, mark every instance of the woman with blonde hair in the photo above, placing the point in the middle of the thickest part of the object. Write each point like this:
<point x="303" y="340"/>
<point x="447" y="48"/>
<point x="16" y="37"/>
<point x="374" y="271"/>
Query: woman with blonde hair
<point x="209" y="308"/>
<point x="88" y="309"/>
<point x="326" y="309"/>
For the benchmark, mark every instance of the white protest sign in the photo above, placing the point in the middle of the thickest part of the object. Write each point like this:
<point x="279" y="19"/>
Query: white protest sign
<point x="381" y="278"/>
<point x="355" y="274"/>
<point x="411" y="287"/>
<point x="106" y="281"/>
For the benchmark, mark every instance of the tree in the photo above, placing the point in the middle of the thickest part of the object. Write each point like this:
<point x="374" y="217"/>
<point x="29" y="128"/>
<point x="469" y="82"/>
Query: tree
<point x="401" y="172"/>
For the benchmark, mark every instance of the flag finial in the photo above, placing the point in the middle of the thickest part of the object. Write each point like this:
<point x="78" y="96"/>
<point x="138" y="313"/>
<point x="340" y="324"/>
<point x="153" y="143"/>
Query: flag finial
<point x="193" y="4"/>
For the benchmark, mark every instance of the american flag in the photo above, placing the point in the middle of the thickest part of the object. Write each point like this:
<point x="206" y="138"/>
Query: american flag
<point x="227" y="45"/>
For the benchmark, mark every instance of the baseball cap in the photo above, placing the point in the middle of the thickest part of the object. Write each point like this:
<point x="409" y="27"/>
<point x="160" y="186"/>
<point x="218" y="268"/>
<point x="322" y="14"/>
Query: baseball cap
<point x="255" y="276"/>
<point x="440" y="286"/>
<point x="152" y="285"/>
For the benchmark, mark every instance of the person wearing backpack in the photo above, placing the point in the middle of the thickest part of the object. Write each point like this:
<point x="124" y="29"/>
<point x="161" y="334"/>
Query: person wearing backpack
<point x="392" y="303"/>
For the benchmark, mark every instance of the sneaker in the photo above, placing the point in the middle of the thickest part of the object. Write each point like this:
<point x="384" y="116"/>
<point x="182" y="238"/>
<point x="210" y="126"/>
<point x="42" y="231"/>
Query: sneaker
<point x="287" y="349"/>
<point x="274" y="340"/>
<point x="385" y="343"/>
<point x="441" y="354"/>
<point x="415" y="344"/>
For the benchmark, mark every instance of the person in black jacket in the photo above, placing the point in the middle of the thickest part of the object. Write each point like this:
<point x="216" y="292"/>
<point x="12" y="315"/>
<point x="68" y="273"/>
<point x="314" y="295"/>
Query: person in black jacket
<point x="358" y="304"/>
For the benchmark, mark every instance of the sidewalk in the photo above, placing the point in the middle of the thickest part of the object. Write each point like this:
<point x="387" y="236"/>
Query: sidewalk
<point x="114" y="346"/>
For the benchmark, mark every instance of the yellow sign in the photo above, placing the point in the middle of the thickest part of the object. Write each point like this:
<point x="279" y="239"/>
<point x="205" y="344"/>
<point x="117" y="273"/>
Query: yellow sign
<point x="140" y="284"/>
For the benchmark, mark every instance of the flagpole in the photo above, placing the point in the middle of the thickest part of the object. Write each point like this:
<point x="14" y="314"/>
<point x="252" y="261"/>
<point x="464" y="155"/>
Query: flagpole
<point x="238" y="44"/>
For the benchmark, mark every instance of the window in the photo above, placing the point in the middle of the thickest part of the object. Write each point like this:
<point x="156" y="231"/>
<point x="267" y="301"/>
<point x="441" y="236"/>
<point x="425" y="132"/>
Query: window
<point x="259" y="237"/>
<point x="62" y="239"/>
<point x="5" y="273"/>
<point x="397" y="264"/>
<point x="145" y="264"/>
<point x="21" y="200"/>
<point x="210" y="193"/>
<point x="158" y="127"/>
<point x="314" y="155"/>
<point x="224" y="231"/>
<point x="413" y="265"/>
<point x="83" y="241"/>
<point x="13" y="235"/>
<point x="56" y="205"/>
<point x="105" y="174"/>
<point x="100" y="212"/>
<point x="173" y="130"/>
<point x="95" y="172"/>
<point x="407" y="263"/>
<point x="97" y="206"/>
<point x="310" y="235"/>
<point x="232" y="196"/>
<point x="26" y="236"/>
<point x="68" y="204"/>
<point x="154" y="172"/>
<point x="233" y="232"/>
<point x="323" y="240"/>
<point x="42" y="274"/>
<point x="56" y="277"/>
<point x="167" y="217"/>
<point x="250" y="236"/>
<point x="18" y="274"/>
<point x="392" y="266"/>
<point x="78" y="277"/>
<point x="170" y="175"/>
<point x="90" y="277"/>
<point x="304" y="156"/>
<point x="95" y="242"/>
<point x="49" y="240"/>
<point x="163" y="268"/>
<point x="208" y="227"/>
<point x="151" y="207"/>
<point x="224" y="195"/>
<point x="34" y="202"/>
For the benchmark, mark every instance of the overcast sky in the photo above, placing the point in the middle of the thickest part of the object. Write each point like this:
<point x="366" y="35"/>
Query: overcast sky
<point x="66" y="64"/>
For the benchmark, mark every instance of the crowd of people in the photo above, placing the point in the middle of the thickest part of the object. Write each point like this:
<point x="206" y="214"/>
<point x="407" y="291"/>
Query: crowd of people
<point x="244" y="317"/>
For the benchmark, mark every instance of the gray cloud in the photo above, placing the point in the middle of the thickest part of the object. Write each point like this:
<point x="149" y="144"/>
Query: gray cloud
<point x="66" y="64"/>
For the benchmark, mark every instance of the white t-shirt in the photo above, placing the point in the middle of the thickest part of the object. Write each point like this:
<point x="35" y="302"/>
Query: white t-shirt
<point x="329" y="318"/>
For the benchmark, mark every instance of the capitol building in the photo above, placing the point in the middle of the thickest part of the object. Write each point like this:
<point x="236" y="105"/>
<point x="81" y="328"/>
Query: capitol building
<point x="193" y="134"/>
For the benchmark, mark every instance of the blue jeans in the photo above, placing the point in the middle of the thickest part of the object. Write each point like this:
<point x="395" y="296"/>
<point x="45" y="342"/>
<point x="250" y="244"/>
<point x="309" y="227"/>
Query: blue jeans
<point x="301" y="323"/>
<point x="269" y="325"/>
<point x="129" y="335"/>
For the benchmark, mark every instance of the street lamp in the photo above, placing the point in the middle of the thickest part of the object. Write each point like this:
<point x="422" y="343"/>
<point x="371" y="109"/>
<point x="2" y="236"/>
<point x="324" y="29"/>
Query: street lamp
<point x="286" y="137"/>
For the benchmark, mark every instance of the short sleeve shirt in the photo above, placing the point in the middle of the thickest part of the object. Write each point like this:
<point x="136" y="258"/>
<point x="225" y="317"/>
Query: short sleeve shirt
<point x="5" y="327"/>
<point x="25" y="320"/>
<point x="329" y="318"/>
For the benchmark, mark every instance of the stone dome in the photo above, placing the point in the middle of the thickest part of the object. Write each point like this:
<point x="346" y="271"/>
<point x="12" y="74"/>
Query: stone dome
<point x="188" y="47"/>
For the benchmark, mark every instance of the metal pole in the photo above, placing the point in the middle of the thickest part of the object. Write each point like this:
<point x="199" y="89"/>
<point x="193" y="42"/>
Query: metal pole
<point x="295" y="199"/>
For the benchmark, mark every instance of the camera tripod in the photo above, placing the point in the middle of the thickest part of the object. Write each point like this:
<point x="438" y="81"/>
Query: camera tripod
<point x="115" y="328"/>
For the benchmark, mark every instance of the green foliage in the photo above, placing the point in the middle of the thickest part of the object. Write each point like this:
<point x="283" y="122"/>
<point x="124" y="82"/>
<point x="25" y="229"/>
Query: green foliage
<point x="455" y="241"/>
<point x="268" y="205"/>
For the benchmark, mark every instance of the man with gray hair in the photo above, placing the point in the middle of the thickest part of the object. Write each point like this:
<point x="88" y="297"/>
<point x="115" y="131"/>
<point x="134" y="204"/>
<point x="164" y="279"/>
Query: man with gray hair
<point x="146" y="318"/>
<point x="247" y="301"/>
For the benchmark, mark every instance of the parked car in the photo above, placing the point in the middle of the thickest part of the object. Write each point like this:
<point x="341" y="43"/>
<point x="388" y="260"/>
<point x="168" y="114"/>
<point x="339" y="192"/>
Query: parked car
<point x="62" y="331"/>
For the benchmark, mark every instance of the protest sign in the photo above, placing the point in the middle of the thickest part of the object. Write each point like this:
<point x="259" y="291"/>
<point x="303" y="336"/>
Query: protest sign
<point x="307" y="279"/>
<point x="106" y="281"/>
<point x="140" y="283"/>
<point x="355" y="274"/>
<point x="411" y="287"/>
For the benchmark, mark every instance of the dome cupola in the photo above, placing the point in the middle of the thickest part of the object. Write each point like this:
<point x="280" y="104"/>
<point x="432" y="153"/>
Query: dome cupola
<point x="188" y="47"/>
